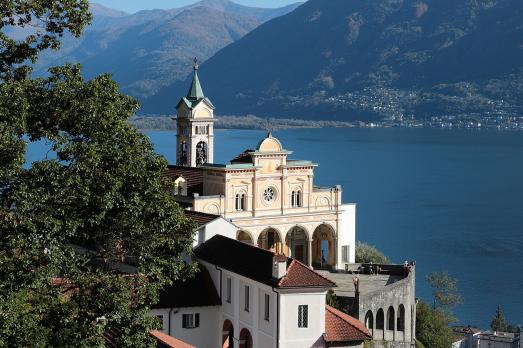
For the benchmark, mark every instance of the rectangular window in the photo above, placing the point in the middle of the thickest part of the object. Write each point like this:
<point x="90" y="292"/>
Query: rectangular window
<point x="303" y="316"/>
<point x="229" y="289"/>
<point x="160" y="320"/>
<point x="345" y="253"/>
<point x="247" y="290"/>
<point x="191" y="321"/>
<point x="267" y="307"/>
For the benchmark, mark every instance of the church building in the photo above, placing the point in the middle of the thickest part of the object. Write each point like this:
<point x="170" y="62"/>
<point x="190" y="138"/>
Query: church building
<point x="270" y="197"/>
<point x="269" y="244"/>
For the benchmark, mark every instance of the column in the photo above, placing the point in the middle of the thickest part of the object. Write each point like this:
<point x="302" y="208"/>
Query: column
<point x="309" y="252"/>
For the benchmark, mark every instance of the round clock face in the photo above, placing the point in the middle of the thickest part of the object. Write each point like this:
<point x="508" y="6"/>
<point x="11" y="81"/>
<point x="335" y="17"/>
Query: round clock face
<point x="269" y="194"/>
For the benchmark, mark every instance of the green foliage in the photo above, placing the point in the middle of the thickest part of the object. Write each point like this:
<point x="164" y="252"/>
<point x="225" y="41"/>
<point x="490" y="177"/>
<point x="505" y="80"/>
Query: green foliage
<point x="444" y="290"/>
<point x="499" y="323"/>
<point x="432" y="326"/>
<point x="419" y="344"/>
<point x="367" y="253"/>
<point x="69" y="222"/>
<point x="332" y="300"/>
<point x="45" y="22"/>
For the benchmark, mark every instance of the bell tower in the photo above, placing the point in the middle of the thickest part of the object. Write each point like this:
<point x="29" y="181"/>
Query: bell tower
<point x="195" y="126"/>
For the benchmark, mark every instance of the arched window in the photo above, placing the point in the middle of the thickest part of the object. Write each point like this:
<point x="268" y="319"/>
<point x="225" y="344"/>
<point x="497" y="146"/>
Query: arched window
<point x="380" y="320"/>
<point x="180" y="187"/>
<point x="296" y="199"/>
<point x="240" y="202"/>
<point x="369" y="320"/>
<point x="390" y="318"/>
<point x="401" y="318"/>
<point x="245" y="339"/>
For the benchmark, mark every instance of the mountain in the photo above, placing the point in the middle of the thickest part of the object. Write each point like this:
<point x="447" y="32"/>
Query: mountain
<point x="352" y="59"/>
<point x="148" y="50"/>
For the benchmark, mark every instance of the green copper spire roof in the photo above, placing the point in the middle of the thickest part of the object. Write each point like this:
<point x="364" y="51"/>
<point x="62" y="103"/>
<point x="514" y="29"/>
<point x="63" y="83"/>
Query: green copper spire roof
<point x="195" y="92"/>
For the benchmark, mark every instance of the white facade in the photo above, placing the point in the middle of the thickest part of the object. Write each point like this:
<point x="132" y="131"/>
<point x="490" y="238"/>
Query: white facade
<point x="278" y="324"/>
<point x="202" y="336"/>
<point x="218" y="226"/>
<point x="491" y="339"/>
<point x="293" y="336"/>
<point x="347" y="236"/>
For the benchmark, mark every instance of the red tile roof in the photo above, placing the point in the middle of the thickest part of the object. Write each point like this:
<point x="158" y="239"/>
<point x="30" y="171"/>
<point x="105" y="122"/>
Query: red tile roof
<point x="243" y="157"/>
<point x="169" y="341"/>
<point x="298" y="276"/>
<point x="256" y="264"/>
<point x="341" y="327"/>
<point x="192" y="175"/>
<point x="200" y="218"/>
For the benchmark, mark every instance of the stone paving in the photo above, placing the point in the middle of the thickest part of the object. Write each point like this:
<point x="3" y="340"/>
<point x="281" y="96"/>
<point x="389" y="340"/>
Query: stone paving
<point x="368" y="282"/>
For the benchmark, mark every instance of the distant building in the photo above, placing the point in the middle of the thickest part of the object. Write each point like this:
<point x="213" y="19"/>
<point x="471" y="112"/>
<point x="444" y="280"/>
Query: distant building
<point x="497" y="339"/>
<point x="465" y="337"/>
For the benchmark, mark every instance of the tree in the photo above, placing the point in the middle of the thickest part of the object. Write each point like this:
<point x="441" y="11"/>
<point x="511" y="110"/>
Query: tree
<point x="367" y="253"/>
<point x="444" y="290"/>
<point x="432" y="326"/>
<point x="332" y="300"/>
<point x="99" y="200"/>
<point x="45" y="21"/>
<point x="499" y="323"/>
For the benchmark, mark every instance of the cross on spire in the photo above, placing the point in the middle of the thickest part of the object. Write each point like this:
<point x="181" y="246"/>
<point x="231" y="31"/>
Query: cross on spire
<point x="269" y="127"/>
<point x="195" y="92"/>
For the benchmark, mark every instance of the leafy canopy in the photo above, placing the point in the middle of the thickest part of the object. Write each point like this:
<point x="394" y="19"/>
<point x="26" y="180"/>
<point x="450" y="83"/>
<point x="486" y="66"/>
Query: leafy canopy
<point x="432" y="326"/>
<point x="45" y="22"/>
<point x="444" y="290"/>
<point x="91" y="233"/>
<point x="366" y="253"/>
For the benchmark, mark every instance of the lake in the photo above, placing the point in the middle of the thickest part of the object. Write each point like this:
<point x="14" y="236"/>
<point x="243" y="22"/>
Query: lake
<point x="450" y="199"/>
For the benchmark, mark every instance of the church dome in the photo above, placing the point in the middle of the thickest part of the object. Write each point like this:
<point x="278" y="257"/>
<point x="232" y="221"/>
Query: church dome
<point x="269" y="144"/>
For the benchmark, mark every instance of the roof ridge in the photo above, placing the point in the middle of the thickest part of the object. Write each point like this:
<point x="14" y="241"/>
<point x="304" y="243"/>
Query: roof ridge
<point x="286" y="273"/>
<point x="305" y="267"/>
<point x="248" y="244"/>
<point x="201" y="212"/>
<point x="350" y="320"/>
<point x="322" y="276"/>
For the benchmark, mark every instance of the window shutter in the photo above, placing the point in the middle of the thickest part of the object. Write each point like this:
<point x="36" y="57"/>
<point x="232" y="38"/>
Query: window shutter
<point x="184" y="321"/>
<point x="197" y="320"/>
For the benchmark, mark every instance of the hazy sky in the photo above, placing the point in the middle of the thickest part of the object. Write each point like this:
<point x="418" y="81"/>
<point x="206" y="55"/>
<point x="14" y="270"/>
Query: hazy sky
<point x="132" y="6"/>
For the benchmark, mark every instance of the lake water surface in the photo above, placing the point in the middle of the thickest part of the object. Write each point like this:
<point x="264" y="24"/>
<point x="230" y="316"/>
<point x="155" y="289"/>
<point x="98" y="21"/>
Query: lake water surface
<point x="450" y="199"/>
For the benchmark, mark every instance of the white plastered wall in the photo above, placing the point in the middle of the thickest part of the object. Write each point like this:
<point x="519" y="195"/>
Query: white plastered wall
<point x="292" y="336"/>
<point x="347" y="233"/>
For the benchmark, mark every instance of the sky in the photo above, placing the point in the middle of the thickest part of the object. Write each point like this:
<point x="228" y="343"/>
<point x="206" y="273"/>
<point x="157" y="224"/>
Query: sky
<point x="132" y="6"/>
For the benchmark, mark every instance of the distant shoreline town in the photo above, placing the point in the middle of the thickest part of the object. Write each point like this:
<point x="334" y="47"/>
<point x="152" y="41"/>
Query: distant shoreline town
<point x="468" y="121"/>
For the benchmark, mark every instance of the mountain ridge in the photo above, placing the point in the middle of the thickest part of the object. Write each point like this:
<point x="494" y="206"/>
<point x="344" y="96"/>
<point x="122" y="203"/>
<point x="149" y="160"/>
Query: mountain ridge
<point x="150" y="49"/>
<point x="347" y="59"/>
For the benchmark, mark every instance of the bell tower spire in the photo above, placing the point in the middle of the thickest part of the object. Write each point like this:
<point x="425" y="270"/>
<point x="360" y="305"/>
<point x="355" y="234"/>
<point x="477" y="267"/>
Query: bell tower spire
<point x="195" y="92"/>
<point x="195" y="125"/>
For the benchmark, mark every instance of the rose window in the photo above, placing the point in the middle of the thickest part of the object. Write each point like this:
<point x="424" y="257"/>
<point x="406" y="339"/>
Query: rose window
<point x="268" y="195"/>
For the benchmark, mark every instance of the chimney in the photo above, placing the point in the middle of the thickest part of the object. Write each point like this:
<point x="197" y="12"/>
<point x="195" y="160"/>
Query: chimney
<point x="279" y="266"/>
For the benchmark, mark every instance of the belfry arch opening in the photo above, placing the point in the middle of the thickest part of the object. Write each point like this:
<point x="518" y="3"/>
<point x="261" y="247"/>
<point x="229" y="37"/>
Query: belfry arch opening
<point x="201" y="153"/>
